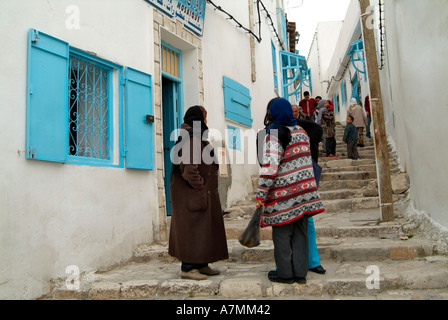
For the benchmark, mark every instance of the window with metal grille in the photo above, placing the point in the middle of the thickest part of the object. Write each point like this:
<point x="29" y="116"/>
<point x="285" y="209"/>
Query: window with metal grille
<point x="82" y="109"/>
<point x="89" y="109"/>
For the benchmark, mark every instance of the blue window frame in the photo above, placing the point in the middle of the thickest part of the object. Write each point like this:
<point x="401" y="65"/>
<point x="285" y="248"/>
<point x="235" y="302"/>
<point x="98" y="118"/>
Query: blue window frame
<point x="274" y="66"/>
<point x="234" y="138"/>
<point x="356" y="53"/>
<point x="71" y="110"/>
<point x="343" y="92"/>
<point x="237" y="102"/>
<point x="355" y="88"/>
<point x="336" y="103"/>
<point x="295" y="73"/>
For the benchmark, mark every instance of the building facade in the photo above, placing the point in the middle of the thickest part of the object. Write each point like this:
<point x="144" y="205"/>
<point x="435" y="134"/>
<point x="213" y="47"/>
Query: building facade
<point x="92" y="93"/>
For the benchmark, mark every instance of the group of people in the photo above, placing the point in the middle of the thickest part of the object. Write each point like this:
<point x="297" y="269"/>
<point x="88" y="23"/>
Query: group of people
<point x="287" y="190"/>
<point x="321" y="112"/>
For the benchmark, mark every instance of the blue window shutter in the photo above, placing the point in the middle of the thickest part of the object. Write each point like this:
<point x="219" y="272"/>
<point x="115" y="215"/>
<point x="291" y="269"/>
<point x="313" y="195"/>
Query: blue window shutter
<point x="139" y="132"/>
<point x="237" y="102"/>
<point x="47" y="98"/>
<point x="343" y="91"/>
<point x="355" y="85"/>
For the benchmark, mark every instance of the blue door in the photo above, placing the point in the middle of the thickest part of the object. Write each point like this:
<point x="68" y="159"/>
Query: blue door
<point x="171" y="122"/>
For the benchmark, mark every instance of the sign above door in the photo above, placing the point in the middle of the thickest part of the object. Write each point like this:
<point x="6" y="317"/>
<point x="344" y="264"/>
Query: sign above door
<point x="190" y="12"/>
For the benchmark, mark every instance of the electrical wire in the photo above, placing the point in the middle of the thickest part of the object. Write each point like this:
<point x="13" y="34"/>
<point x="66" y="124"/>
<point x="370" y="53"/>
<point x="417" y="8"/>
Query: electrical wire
<point x="247" y="30"/>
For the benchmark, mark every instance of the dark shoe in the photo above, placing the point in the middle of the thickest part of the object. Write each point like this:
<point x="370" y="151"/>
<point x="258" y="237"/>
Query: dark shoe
<point x="193" y="275"/>
<point x="274" y="277"/>
<point x="300" y="280"/>
<point x="318" y="270"/>
<point x="209" y="271"/>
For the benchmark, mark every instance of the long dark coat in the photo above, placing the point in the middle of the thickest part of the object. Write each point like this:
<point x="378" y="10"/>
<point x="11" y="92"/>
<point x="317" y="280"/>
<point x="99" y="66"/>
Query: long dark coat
<point x="197" y="233"/>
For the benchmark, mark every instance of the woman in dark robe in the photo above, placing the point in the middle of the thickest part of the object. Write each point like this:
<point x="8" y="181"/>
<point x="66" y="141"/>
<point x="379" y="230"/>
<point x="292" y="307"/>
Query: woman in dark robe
<point x="197" y="235"/>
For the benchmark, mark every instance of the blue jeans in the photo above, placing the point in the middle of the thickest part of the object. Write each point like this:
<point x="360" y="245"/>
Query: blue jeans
<point x="313" y="254"/>
<point x="369" y="122"/>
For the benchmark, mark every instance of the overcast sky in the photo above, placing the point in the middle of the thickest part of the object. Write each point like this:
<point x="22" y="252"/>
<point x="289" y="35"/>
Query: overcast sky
<point x="307" y="13"/>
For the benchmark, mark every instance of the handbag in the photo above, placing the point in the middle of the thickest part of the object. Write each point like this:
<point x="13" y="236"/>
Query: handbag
<point x="251" y="236"/>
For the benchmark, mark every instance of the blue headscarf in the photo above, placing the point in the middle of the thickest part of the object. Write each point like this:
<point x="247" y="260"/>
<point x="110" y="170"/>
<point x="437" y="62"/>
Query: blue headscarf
<point x="281" y="114"/>
<point x="282" y="117"/>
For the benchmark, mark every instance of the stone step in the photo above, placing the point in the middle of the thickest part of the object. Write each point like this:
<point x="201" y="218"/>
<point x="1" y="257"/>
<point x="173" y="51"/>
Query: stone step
<point x="341" y="163"/>
<point x="348" y="194"/>
<point x="339" y="248"/>
<point x="159" y="279"/>
<point x="343" y="184"/>
<point x="351" y="204"/>
<point x="341" y="146"/>
<point x="359" y="223"/>
<point x="343" y="249"/>
<point x="353" y="175"/>
<point x="370" y="167"/>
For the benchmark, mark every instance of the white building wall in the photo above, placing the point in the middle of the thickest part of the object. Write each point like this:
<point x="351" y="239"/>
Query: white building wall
<point x="414" y="80"/>
<point x="320" y="55"/>
<point x="55" y="215"/>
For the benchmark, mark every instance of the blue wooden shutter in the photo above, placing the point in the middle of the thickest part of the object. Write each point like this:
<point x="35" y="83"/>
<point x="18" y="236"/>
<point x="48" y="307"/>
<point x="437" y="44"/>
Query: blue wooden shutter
<point x="237" y="102"/>
<point x="355" y="88"/>
<point x="47" y="98"/>
<point x="139" y="132"/>
<point x="343" y="92"/>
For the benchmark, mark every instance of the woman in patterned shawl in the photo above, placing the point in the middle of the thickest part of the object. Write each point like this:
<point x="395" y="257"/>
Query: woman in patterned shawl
<point x="288" y="191"/>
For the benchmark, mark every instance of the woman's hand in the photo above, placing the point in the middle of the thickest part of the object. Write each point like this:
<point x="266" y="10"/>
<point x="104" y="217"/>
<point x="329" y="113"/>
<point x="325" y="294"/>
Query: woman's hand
<point x="259" y="204"/>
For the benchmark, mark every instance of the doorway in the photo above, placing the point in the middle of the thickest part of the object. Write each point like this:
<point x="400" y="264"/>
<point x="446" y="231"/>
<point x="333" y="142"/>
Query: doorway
<point x="171" y="122"/>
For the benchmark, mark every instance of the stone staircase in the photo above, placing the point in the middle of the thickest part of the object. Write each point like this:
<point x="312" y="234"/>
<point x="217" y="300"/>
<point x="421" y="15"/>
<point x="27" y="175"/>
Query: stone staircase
<point x="364" y="257"/>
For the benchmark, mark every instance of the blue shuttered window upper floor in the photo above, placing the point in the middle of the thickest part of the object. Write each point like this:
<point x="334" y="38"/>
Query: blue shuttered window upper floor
<point x="237" y="102"/>
<point x="73" y="115"/>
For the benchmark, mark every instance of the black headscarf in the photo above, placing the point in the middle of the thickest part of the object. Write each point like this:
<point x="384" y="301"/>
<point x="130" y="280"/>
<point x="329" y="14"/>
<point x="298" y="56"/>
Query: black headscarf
<point x="193" y="116"/>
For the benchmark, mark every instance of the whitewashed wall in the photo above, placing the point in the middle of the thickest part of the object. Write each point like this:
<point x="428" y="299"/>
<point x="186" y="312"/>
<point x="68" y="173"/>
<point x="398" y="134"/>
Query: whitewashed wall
<point x="56" y="215"/>
<point x="415" y="81"/>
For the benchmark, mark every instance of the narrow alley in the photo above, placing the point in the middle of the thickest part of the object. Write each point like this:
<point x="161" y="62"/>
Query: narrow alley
<point x="98" y="194"/>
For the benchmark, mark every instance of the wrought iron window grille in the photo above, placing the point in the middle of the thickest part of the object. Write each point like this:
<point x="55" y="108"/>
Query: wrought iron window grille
<point x="89" y="109"/>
